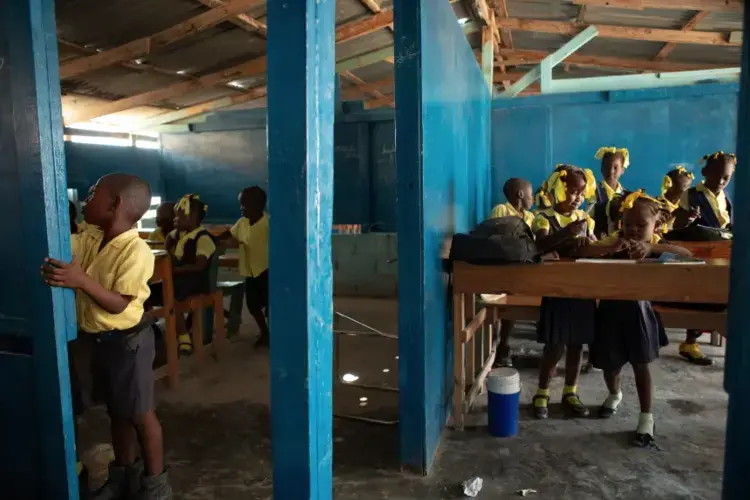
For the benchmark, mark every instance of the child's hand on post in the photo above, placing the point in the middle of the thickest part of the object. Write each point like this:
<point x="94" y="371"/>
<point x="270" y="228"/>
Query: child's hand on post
<point x="61" y="274"/>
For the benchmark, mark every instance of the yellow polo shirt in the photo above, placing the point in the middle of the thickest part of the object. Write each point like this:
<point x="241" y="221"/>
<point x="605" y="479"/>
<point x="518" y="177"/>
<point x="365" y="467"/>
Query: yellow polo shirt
<point x="542" y="223"/>
<point x="508" y="210"/>
<point x="253" y="240"/>
<point x="124" y="265"/>
<point x="205" y="245"/>
<point x="718" y="203"/>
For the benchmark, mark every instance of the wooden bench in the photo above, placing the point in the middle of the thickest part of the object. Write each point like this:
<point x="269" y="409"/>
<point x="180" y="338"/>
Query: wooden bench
<point x="525" y="308"/>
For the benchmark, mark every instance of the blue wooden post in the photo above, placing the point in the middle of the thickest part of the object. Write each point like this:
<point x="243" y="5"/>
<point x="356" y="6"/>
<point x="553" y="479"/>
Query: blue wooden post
<point x="301" y="59"/>
<point x="737" y="376"/>
<point x="37" y="455"/>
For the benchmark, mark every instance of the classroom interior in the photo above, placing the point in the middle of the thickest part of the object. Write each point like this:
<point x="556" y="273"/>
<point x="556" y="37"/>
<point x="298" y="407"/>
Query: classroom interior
<point x="378" y="128"/>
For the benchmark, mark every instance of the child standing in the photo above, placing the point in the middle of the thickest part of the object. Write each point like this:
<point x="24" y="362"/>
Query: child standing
<point x="614" y="162"/>
<point x="565" y="323"/>
<point x="251" y="232"/>
<point x="164" y="222"/>
<point x="708" y="205"/>
<point x="629" y="331"/>
<point x="520" y="198"/>
<point x="110" y="272"/>
<point x="192" y="247"/>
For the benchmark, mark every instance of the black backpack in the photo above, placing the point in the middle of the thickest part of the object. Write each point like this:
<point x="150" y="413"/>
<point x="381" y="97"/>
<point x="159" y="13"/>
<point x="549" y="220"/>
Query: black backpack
<point x="696" y="232"/>
<point x="504" y="240"/>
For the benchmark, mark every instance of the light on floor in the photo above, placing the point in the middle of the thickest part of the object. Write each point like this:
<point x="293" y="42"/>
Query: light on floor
<point x="349" y="377"/>
<point x="362" y="399"/>
<point x="363" y="404"/>
<point x="386" y="370"/>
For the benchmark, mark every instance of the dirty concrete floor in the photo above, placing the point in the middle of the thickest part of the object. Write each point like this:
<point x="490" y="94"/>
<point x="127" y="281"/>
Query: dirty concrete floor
<point x="217" y="428"/>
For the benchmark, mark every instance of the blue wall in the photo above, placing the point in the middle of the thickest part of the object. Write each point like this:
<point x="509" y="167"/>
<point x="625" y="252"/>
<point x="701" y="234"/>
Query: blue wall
<point x="661" y="128"/>
<point x="442" y="116"/>
<point x="86" y="163"/>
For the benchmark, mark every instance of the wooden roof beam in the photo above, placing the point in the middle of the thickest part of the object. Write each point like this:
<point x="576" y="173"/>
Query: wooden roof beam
<point x="523" y="57"/>
<point x="356" y="29"/>
<point x="250" y="68"/>
<point x="359" y="83"/>
<point x="244" y="21"/>
<point x="689" y="26"/>
<point x="623" y="32"/>
<point x="707" y="5"/>
<point x="375" y="8"/>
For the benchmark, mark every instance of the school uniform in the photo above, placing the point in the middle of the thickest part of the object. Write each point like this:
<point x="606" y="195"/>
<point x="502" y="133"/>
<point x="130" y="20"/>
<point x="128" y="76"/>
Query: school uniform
<point x="564" y="321"/>
<point x="604" y="194"/>
<point x="253" y="263"/>
<point x="627" y="331"/>
<point x="188" y="247"/>
<point x="508" y="210"/>
<point x="715" y="210"/>
<point x="121" y="346"/>
<point x="671" y="208"/>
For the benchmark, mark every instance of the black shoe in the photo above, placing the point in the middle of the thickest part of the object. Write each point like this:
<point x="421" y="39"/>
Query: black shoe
<point x="605" y="412"/>
<point x="540" y="412"/>
<point x="122" y="483"/>
<point x="573" y="407"/>
<point x="646" y="440"/>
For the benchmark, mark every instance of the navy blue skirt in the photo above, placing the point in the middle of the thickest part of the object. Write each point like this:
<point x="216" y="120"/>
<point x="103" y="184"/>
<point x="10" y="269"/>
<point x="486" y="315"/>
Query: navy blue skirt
<point x="627" y="331"/>
<point x="566" y="321"/>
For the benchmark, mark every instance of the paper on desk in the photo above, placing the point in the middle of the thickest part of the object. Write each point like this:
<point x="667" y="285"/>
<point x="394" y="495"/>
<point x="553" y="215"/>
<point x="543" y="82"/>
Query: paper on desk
<point x="608" y="261"/>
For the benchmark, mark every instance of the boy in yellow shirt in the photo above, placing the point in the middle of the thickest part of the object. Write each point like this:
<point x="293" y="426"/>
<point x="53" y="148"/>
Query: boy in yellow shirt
<point x="520" y="198"/>
<point x="110" y="272"/>
<point x="251" y="232"/>
<point x="164" y="222"/>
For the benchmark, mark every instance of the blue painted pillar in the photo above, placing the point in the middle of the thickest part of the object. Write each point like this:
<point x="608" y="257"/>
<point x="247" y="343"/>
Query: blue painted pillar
<point x="301" y="93"/>
<point x="737" y="375"/>
<point x="37" y="455"/>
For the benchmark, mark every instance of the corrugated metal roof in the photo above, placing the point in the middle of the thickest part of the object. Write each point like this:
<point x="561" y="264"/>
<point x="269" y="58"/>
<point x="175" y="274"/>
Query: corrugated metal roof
<point x="647" y="18"/>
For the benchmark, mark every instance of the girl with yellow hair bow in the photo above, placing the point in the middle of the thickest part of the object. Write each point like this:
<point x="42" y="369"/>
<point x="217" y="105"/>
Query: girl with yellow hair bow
<point x="614" y="162"/>
<point x="673" y="187"/>
<point x="192" y="248"/>
<point x="566" y="324"/>
<point x="630" y="331"/>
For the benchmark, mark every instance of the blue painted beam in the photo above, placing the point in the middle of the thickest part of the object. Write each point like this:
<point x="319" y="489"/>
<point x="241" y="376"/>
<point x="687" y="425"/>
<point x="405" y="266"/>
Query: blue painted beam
<point x="301" y="92"/>
<point x="37" y="455"/>
<point x="544" y="69"/>
<point x="737" y="373"/>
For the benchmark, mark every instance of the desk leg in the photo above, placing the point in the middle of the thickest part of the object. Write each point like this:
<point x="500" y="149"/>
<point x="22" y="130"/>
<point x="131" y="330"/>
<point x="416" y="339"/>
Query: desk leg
<point x="459" y="354"/>
<point x="198" y="335"/>
<point x="220" y="337"/>
<point x="173" y="367"/>
<point x="470" y="309"/>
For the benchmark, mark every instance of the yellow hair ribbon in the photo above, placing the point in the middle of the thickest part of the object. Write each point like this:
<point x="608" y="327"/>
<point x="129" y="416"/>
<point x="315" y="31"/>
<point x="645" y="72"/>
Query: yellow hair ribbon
<point x="666" y="184"/>
<point x="184" y="204"/>
<point x="630" y="200"/>
<point x="714" y="156"/>
<point x="556" y="185"/>
<point x="590" y="193"/>
<point x="601" y="152"/>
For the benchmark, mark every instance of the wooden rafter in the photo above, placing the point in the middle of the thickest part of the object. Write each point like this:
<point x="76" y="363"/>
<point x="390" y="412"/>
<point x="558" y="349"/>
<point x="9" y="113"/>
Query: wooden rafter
<point x="501" y="11"/>
<point x="359" y="91"/>
<point x="375" y="8"/>
<point x="707" y="5"/>
<point x="360" y="83"/>
<point x="244" y="21"/>
<point x="623" y="32"/>
<point x="356" y="29"/>
<point x="387" y="100"/>
<point x="689" y="26"/>
<point x="247" y="69"/>
<point x="146" y="45"/>
<point x="523" y="57"/>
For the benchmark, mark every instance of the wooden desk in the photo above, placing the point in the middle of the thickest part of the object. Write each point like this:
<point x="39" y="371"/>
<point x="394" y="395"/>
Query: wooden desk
<point x="229" y="260"/>
<point x="704" y="283"/>
<point x="163" y="274"/>
<point x="707" y="249"/>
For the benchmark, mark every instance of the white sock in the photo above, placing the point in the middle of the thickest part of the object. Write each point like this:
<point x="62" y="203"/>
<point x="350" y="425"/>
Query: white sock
<point x="613" y="401"/>
<point x="646" y="424"/>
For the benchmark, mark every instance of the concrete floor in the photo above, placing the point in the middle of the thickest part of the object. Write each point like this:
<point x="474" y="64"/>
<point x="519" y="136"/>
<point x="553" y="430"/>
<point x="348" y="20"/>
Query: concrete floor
<point x="217" y="429"/>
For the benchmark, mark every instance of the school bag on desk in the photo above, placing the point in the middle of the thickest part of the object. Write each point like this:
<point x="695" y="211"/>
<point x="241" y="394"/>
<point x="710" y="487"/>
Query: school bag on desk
<point x="696" y="232"/>
<point x="504" y="240"/>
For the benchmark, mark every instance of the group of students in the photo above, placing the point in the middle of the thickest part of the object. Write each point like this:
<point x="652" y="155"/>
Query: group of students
<point x="112" y="360"/>
<point x="619" y="223"/>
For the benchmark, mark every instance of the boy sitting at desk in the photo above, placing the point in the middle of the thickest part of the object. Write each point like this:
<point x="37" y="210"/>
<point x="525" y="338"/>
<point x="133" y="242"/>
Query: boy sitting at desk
<point x="164" y="222"/>
<point x="110" y="272"/>
<point x="251" y="232"/>
<point x="520" y="198"/>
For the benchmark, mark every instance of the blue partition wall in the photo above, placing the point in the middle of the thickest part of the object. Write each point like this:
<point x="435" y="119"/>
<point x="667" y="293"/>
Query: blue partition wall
<point x="442" y="164"/>
<point x="662" y="128"/>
